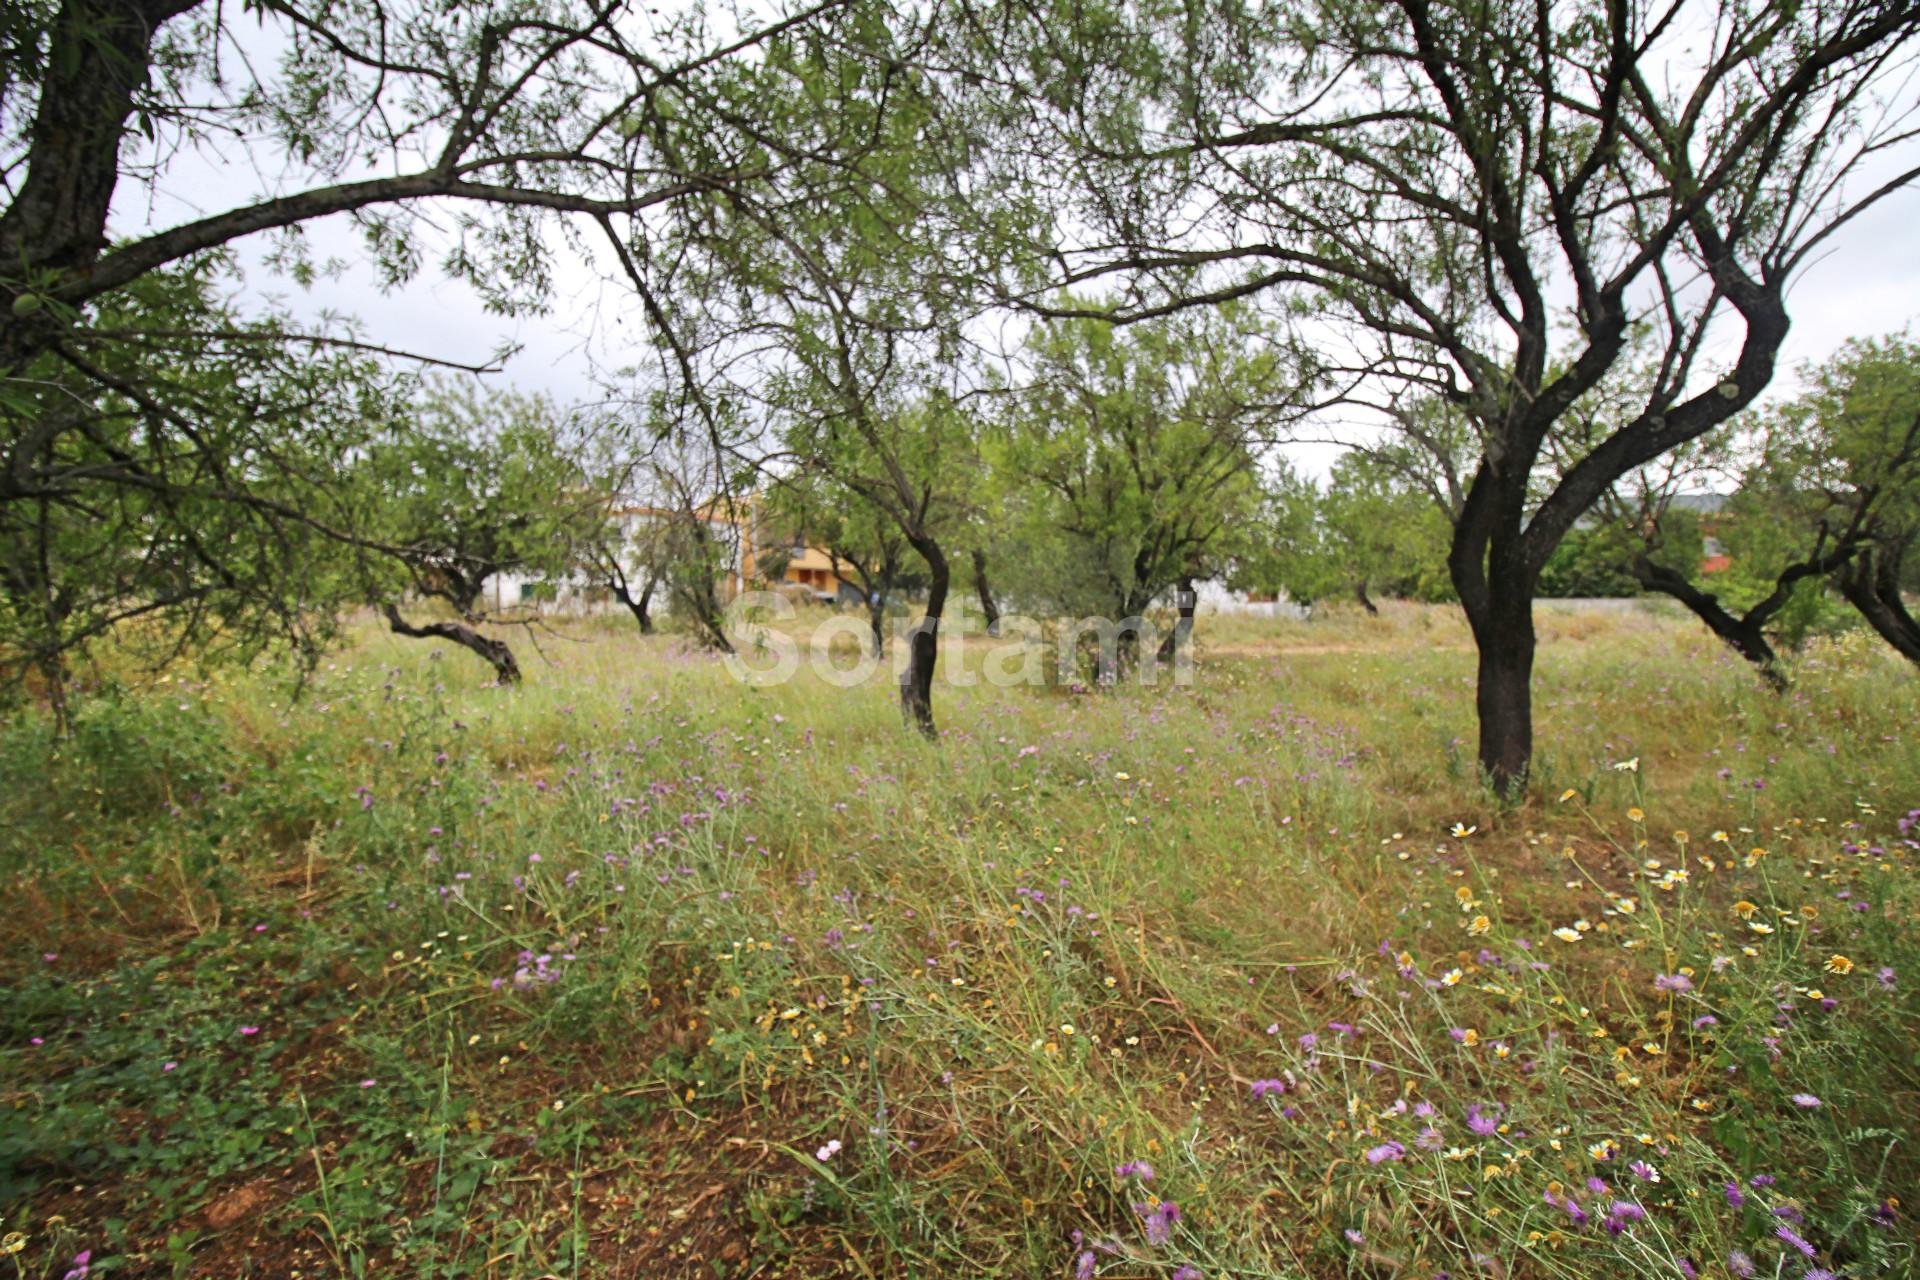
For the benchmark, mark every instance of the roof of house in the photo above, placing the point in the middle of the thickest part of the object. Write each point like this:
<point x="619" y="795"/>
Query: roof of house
<point x="1706" y="501"/>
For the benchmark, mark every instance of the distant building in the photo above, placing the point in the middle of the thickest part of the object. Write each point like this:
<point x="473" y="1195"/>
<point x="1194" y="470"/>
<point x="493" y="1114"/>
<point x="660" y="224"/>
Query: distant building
<point x="1213" y="596"/>
<point x="1711" y="508"/>
<point x="747" y="548"/>
<point x="756" y="550"/>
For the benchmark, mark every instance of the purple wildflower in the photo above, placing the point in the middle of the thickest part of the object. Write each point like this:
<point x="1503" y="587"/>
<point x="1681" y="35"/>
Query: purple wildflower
<point x="1806" y="1100"/>
<point x="1795" y="1239"/>
<point x="1134" y="1169"/>
<point x="1485" y="1123"/>
<point x="1739" y="1264"/>
<point x="1620" y="1213"/>
<point x="1158" y="1217"/>
<point x="1261" y="1088"/>
<point x="1572" y="1206"/>
<point x="1386" y="1151"/>
<point x="1673" y="982"/>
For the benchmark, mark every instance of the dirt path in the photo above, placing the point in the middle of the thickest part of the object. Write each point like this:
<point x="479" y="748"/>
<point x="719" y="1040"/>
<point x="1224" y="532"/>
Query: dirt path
<point x="1309" y="650"/>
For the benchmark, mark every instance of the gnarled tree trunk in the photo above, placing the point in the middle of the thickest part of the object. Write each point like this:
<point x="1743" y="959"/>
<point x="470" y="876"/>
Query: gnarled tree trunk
<point x="1872" y="585"/>
<point x="987" y="606"/>
<point x="923" y="641"/>
<point x="1746" y="635"/>
<point x="1491" y="570"/>
<point x="56" y="219"/>
<point x="640" y="606"/>
<point x="1179" y="640"/>
<point x="709" y="623"/>
<point x="1366" y="601"/>
<point x="505" y="668"/>
<point x="1504" y="696"/>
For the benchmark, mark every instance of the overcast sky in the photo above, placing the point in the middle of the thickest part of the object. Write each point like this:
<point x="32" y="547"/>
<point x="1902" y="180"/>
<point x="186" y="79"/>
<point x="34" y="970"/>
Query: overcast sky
<point x="1865" y="285"/>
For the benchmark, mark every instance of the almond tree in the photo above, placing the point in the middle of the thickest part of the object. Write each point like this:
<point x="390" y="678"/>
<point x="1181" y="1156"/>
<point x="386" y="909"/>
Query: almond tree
<point x="466" y="486"/>
<point x="1829" y="492"/>
<point x="226" y="528"/>
<point x="1138" y="451"/>
<point x="830" y="334"/>
<point x="501" y="113"/>
<point x="503" y="130"/>
<point x="863" y="542"/>
<point x="1478" y="201"/>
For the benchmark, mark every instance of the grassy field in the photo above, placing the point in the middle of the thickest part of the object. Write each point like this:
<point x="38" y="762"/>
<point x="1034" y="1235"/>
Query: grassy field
<point x="636" y="971"/>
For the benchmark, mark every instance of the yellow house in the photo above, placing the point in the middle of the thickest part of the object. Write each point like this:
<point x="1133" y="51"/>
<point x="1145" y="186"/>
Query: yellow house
<point x="813" y="568"/>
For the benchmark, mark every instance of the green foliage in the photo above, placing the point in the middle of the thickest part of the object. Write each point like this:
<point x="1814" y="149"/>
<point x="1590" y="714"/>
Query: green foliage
<point x="1837" y="465"/>
<point x="1594" y="561"/>
<point x="1291" y="547"/>
<point x="813" y="507"/>
<point x="1129" y="459"/>
<point x="1828" y="475"/>
<point x="176" y="483"/>
<point x="468" y="483"/>
<point x="1368" y="531"/>
<point x="1385" y="534"/>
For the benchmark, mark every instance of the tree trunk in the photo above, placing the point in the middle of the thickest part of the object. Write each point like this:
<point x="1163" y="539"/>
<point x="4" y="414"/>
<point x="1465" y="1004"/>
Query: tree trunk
<point x="877" y="620"/>
<point x="713" y="632"/>
<point x="1496" y="588"/>
<point x="1872" y="585"/>
<point x="98" y="57"/>
<point x="641" y="606"/>
<point x="643" y="610"/>
<point x="1126" y="640"/>
<point x="916" y="684"/>
<point x="1504" y="697"/>
<point x="1495" y="573"/>
<point x="1746" y="635"/>
<point x="703" y="606"/>
<point x="496" y="652"/>
<point x="1360" y="594"/>
<point x="987" y="606"/>
<point x="1178" y="639"/>
<point x="53" y="671"/>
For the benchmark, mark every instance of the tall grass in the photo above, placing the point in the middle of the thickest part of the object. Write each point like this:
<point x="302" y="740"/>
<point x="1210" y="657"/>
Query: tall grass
<point x="637" y="970"/>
